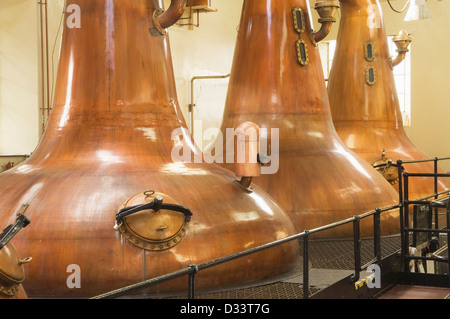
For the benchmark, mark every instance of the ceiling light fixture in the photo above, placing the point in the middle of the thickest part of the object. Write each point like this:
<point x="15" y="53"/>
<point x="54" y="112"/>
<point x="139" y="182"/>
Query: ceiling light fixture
<point x="418" y="10"/>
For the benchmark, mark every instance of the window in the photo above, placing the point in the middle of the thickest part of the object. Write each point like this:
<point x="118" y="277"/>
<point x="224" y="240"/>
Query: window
<point x="326" y="49"/>
<point x="402" y="74"/>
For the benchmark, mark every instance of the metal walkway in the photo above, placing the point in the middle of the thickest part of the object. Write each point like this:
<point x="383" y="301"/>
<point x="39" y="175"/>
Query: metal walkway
<point x="330" y="262"/>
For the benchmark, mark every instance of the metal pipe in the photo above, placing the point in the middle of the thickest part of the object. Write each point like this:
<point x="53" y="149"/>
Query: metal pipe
<point x="324" y="30"/>
<point x="164" y="19"/>
<point x="425" y="160"/>
<point x="398" y="59"/>
<point x="47" y="61"/>
<point x="41" y="18"/>
<point x="432" y="195"/>
<point x="429" y="174"/>
<point x="20" y="155"/>
<point x="45" y="72"/>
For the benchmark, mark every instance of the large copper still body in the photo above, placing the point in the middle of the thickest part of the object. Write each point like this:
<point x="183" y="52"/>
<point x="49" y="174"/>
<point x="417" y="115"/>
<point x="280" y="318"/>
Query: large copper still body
<point x="108" y="147"/>
<point x="363" y="97"/>
<point x="277" y="83"/>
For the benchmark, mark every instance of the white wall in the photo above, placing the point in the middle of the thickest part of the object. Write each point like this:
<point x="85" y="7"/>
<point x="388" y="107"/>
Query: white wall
<point x="19" y="129"/>
<point x="203" y="51"/>
<point x="430" y="69"/>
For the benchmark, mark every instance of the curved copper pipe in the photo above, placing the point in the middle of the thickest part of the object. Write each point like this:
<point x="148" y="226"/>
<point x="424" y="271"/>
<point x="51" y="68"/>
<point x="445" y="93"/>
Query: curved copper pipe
<point x="399" y="58"/>
<point x="323" y="32"/>
<point x="169" y="17"/>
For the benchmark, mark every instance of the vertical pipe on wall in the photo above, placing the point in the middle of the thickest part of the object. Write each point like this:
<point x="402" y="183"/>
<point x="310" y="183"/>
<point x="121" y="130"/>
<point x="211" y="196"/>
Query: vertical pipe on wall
<point x="41" y="37"/>
<point x="45" y="72"/>
<point x="47" y="60"/>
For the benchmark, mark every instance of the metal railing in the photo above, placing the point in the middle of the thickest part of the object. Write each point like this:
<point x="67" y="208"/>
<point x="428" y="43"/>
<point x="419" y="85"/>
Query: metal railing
<point x="405" y="211"/>
<point x="192" y="270"/>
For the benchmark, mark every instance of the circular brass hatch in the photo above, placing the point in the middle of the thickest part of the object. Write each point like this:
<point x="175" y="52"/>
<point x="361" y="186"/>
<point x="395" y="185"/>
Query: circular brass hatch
<point x="153" y="221"/>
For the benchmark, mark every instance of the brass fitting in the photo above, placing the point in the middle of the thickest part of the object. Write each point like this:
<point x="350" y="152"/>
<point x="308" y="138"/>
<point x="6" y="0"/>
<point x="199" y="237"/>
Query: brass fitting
<point x="402" y="40"/>
<point x="327" y="11"/>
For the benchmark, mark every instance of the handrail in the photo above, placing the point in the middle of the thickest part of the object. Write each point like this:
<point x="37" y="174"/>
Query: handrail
<point x="193" y="269"/>
<point x="425" y="160"/>
<point x="196" y="268"/>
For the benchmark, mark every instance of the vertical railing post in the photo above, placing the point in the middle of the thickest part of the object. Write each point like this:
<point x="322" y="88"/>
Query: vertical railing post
<point x="448" y="257"/>
<point x="406" y="222"/>
<point x="435" y="176"/>
<point x="447" y="215"/>
<point x="436" y="210"/>
<point x="194" y="270"/>
<point x="377" y="235"/>
<point x="305" y="265"/>
<point x="401" y="208"/>
<point x="357" y="246"/>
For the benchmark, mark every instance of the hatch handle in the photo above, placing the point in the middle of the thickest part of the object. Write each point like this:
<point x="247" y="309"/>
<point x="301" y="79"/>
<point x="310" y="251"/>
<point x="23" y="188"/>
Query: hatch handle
<point x="156" y="205"/>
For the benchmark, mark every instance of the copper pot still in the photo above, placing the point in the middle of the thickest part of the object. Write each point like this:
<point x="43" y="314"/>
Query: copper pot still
<point x="277" y="83"/>
<point x="363" y="97"/>
<point x="110" y="207"/>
